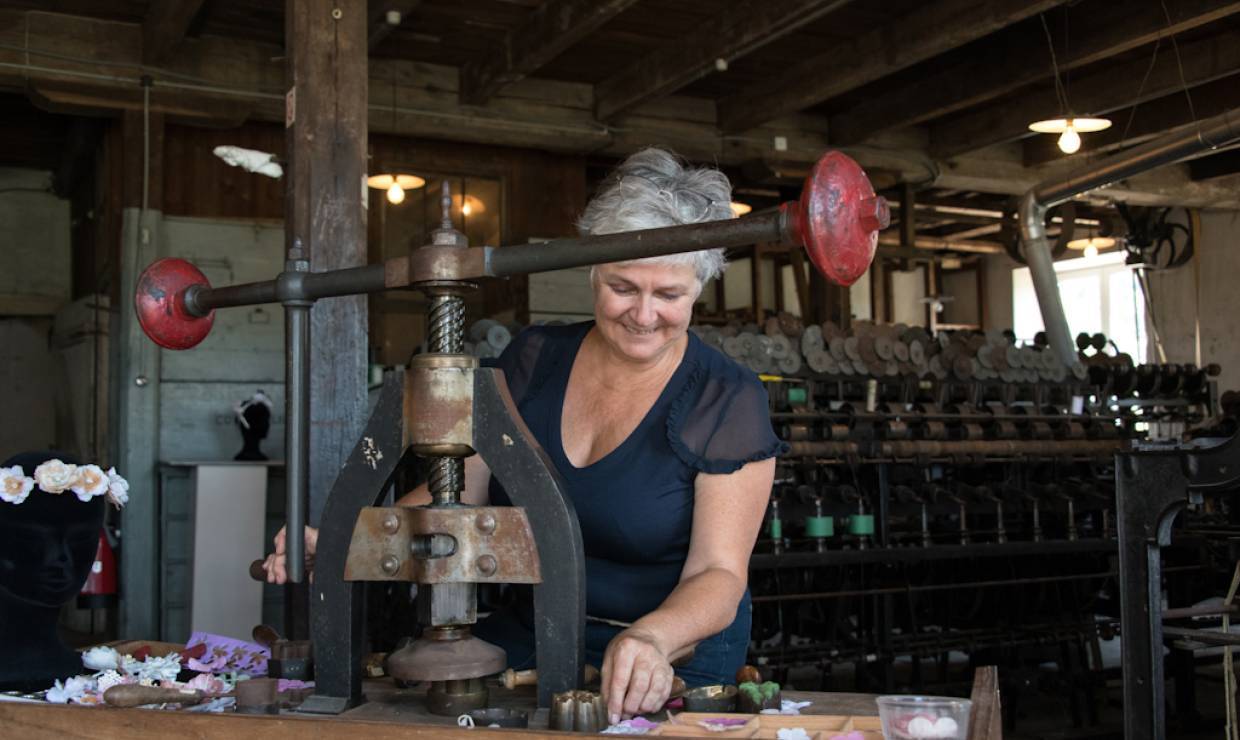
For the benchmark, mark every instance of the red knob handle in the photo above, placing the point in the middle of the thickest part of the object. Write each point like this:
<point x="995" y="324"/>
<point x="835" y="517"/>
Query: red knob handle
<point x="838" y="218"/>
<point x="159" y="301"/>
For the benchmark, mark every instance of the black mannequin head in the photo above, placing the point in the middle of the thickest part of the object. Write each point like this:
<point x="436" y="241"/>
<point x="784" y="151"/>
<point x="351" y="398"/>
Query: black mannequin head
<point x="47" y="547"/>
<point x="257" y="422"/>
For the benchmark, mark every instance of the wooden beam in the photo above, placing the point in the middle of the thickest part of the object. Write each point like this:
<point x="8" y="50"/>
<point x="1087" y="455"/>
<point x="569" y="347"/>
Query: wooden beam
<point x="165" y="26"/>
<point x="1019" y="57"/>
<point x="1099" y="92"/>
<point x="92" y="99"/>
<point x="325" y="218"/>
<point x="551" y="29"/>
<point x="919" y="34"/>
<point x="736" y="30"/>
<point x="1149" y="119"/>
<point x="380" y="28"/>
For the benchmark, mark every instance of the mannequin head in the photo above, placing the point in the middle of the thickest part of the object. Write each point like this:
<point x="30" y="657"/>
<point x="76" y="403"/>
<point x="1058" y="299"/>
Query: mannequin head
<point x="254" y="419"/>
<point x="47" y="547"/>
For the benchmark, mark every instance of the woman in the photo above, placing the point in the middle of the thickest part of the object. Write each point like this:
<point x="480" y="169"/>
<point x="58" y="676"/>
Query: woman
<point x="664" y="445"/>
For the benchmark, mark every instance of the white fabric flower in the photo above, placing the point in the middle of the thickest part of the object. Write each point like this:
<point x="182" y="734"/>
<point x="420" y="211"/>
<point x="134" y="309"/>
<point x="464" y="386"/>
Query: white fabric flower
<point x="118" y="488"/>
<point x="14" y="485"/>
<point x="73" y="690"/>
<point x="55" y="476"/>
<point x="101" y="658"/>
<point x="89" y="481"/>
<point x="108" y="679"/>
<point x="154" y="668"/>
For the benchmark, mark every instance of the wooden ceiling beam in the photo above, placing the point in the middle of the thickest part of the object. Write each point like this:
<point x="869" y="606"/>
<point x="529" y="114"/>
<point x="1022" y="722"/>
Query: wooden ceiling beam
<point x="165" y="26"/>
<point x="1019" y="57"/>
<point x="551" y="29"/>
<point x="379" y="27"/>
<point x="244" y="78"/>
<point x="925" y="32"/>
<point x="1100" y="92"/>
<point x="736" y="30"/>
<point x="1149" y="119"/>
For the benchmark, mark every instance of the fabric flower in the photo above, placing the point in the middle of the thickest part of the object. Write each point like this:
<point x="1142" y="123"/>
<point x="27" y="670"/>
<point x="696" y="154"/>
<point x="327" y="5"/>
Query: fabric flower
<point x="73" y="690"/>
<point x="55" y="476"/>
<point x="118" y="489"/>
<point x="101" y="658"/>
<point x="108" y="679"/>
<point x="89" y="481"/>
<point x="14" y="485"/>
<point x="154" y="668"/>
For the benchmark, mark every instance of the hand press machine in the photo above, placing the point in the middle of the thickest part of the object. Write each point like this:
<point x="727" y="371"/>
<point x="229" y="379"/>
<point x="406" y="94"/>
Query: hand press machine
<point x="445" y="407"/>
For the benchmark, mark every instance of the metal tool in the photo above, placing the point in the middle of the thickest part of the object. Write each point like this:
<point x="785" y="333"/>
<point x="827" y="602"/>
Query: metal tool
<point x="446" y="408"/>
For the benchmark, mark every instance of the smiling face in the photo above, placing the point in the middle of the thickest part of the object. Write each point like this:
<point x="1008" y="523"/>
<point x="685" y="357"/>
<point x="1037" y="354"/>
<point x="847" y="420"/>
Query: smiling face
<point x="643" y="308"/>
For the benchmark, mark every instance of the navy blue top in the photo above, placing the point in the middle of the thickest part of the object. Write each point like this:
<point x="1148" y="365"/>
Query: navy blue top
<point x="635" y="504"/>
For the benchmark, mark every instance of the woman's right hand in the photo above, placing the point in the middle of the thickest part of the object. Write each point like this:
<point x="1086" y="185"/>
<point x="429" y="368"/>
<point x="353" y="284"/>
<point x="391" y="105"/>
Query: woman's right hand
<point x="274" y="564"/>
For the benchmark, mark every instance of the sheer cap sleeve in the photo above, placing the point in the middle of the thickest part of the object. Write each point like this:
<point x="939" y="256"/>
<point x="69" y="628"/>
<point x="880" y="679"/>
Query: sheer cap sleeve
<point x="519" y="361"/>
<point x="721" y="420"/>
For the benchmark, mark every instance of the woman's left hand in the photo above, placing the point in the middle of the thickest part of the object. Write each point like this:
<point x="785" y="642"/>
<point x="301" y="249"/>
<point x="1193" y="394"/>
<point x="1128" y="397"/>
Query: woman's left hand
<point x="636" y="675"/>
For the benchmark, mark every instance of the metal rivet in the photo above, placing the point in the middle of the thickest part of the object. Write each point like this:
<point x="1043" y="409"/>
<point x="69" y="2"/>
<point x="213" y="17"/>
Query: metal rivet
<point x="390" y="564"/>
<point x="337" y="13"/>
<point x="391" y="524"/>
<point x="486" y="564"/>
<point x="485" y="523"/>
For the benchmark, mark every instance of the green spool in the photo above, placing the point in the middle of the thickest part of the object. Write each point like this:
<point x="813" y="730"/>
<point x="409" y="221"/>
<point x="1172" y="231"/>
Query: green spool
<point x="777" y="529"/>
<point x="861" y="524"/>
<point x="797" y="396"/>
<point x="819" y="526"/>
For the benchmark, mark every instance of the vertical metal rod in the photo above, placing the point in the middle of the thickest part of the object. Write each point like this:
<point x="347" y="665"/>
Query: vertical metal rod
<point x="296" y="435"/>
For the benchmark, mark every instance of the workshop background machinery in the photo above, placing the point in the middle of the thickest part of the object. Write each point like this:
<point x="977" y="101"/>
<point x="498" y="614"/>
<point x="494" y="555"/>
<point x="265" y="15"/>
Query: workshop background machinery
<point x="945" y="494"/>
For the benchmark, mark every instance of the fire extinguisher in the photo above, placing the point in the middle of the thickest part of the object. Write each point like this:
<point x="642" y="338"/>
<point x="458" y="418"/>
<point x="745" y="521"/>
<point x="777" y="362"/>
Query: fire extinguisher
<point x="99" y="590"/>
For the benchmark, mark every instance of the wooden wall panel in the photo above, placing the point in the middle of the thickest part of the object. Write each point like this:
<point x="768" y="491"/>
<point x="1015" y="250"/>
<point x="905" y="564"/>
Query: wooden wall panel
<point x="200" y="184"/>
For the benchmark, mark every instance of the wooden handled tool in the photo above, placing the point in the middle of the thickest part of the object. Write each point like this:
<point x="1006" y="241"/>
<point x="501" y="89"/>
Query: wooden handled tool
<point x="134" y="695"/>
<point x="256" y="570"/>
<point x="512" y="679"/>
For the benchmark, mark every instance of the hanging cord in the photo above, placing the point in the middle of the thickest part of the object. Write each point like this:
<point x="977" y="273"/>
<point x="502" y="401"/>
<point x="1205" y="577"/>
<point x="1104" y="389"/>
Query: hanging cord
<point x="1194" y="233"/>
<point x="1149" y="309"/>
<point x="1060" y="92"/>
<point x="144" y="234"/>
<point x="1180" y="64"/>
<point x="1132" y="114"/>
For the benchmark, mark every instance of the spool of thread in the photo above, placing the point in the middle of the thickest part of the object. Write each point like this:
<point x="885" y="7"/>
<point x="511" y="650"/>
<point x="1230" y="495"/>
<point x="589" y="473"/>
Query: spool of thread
<point x="797" y="396"/>
<point x="861" y="524"/>
<point x="819" y="526"/>
<point x="777" y="529"/>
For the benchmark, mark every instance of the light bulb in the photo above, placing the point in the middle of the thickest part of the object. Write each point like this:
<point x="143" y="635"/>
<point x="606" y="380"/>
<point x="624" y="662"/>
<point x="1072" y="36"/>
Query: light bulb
<point x="466" y="210"/>
<point x="396" y="194"/>
<point x="1091" y="250"/>
<point x="1069" y="140"/>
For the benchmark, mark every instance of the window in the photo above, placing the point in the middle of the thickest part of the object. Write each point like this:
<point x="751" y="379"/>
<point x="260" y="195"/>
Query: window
<point x="1099" y="294"/>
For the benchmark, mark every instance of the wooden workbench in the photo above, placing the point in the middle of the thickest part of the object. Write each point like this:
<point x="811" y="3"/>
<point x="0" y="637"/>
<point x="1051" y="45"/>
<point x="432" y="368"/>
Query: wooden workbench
<point x="389" y="714"/>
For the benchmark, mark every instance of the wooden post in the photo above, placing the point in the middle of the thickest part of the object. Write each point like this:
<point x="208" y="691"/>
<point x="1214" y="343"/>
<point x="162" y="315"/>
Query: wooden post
<point x="325" y="216"/>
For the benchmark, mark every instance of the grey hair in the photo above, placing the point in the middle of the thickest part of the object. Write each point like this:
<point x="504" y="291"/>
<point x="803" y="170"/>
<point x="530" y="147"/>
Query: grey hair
<point x="654" y="188"/>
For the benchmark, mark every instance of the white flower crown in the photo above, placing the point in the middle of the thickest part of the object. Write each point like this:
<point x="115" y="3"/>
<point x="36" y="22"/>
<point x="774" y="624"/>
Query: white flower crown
<point x="56" y="477"/>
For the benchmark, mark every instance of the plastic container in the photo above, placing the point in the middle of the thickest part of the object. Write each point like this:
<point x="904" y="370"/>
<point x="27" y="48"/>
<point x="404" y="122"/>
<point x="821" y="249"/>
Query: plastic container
<point x="924" y="717"/>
